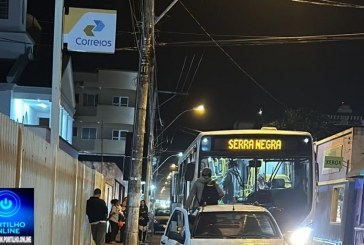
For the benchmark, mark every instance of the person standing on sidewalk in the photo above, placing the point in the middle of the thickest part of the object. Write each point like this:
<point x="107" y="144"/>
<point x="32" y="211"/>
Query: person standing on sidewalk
<point x="124" y="214"/>
<point x="96" y="211"/>
<point x="143" y="221"/>
<point x="114" y="219"/>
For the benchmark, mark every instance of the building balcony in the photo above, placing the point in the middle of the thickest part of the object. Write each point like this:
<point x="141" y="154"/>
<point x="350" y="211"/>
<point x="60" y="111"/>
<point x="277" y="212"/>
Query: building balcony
<point x="110" y="114"/>
<point x="98" y="146"/>
<point x="115" y="114"/>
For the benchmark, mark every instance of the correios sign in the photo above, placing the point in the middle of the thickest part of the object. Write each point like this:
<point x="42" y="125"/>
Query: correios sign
<point x="90" y="30"/>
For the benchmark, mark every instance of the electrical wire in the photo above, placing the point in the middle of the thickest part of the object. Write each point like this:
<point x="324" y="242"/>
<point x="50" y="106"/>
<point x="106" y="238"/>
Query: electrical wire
<point x="234" y="62"/>
<point x="133" y="18"/>
<point x="271" y="40"/>
<point x="180" y="74"/>
<point x="330" y="3"/>
<point x="261" y="41"/>
<point x="187" y="132"/>
<point x="194" y="74"/>
<point x="188" y="72"/>
<point x="179" y="79"/>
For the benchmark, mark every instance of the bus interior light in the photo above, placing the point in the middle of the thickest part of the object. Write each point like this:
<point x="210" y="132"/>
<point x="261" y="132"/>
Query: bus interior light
<point x="205" y="141"/>
<point x="206" y="144"/>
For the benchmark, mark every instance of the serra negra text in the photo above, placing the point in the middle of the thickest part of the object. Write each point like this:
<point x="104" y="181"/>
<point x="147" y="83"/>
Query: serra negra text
<point x="254" y="144"/>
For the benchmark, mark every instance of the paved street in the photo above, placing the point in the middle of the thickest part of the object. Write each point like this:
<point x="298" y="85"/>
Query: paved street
<point x="154" y="240"/>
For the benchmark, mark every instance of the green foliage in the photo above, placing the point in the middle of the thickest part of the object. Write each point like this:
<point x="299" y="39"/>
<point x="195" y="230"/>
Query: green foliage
<point x="314" y="122"/>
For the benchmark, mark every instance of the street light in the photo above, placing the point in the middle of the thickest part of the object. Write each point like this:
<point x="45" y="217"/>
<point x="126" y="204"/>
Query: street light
<point x="160" y="165"/>
<point x="150" y="174"/>
<point x="200" y="109"/>
<point x="173" y="166"/>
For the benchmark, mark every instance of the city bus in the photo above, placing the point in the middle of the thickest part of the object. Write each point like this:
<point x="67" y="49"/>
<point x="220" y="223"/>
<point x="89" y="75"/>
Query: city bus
<point x="268" y="167"/>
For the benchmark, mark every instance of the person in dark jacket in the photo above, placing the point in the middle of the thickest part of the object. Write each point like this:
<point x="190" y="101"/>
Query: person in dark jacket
<point x="143" y="221"/>
<point x="96" y="211"/>
<point x="195" y="195"/>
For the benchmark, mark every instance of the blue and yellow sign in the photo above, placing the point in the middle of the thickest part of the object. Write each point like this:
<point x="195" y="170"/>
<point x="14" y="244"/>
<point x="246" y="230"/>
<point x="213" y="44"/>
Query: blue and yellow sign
<point x="90" y="30"/>
<point x="16" y="216"/>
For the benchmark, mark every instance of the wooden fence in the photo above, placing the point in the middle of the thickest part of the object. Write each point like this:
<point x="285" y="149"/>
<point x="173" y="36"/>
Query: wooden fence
<point x="61" y="184"/>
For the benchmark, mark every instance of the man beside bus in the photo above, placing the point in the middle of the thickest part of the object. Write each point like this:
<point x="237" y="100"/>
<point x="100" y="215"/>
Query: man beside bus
<point x="199" y="191"/>
<point x="231" y="183"/>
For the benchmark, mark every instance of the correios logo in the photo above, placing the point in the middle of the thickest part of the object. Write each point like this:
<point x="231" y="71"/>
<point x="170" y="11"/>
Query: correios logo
<point x="89" y="28"/>
<point x="89" y="31"/>
<point x="94" y="31"/>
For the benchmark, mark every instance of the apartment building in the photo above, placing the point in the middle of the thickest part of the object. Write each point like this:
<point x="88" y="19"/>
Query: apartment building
<point x="105" y="106"/>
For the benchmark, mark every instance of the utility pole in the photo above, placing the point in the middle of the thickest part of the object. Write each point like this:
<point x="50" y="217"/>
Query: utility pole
<point x="149" y="175"/>
<point x="152" y="103"/>
<point x="134" y="185"/>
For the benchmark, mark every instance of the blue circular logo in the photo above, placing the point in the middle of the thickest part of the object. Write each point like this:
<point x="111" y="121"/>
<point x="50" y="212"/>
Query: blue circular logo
<point x="9" y="203"/>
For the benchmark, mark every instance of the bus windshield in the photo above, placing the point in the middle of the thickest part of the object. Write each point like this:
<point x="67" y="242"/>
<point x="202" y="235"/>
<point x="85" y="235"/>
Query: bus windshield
<point x="283" y="185"/>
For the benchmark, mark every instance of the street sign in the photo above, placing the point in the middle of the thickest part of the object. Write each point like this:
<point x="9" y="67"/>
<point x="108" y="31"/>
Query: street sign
<point x="333" y="162"/>
<point x="90" y="30"/>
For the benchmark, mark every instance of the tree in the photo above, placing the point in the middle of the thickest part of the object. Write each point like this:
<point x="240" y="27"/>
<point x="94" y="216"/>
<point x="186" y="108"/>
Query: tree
<point x="303" y="119"/>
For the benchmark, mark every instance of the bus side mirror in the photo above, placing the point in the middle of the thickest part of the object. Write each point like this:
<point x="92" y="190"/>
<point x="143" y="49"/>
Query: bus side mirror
<point x="255" y="163"/>
<point x="190" y="171"/>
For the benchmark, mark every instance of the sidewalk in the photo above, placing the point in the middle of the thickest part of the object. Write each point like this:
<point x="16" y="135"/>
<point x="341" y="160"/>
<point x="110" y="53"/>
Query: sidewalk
<point x="151" y="240"/>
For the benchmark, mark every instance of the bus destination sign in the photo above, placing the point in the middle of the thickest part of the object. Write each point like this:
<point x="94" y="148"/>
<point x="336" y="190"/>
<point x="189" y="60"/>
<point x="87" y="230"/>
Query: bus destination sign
<point x="255" y="144"/>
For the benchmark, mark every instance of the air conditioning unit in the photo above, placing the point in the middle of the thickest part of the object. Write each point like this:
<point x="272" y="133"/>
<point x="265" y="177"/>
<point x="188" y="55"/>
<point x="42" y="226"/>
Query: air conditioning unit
<point x="13" y="15"/>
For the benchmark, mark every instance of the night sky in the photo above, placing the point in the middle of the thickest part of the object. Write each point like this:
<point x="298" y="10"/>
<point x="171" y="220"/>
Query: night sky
<point x="316" y="75"/>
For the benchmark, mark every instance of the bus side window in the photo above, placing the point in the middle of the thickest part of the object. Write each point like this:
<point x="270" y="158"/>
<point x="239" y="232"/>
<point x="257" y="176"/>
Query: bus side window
<point x="190" y="171"/>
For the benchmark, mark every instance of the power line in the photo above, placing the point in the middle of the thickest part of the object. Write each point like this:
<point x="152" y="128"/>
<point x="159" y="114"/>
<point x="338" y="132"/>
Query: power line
<point x="271" y="40"/>
<point x="180" y="74"/>
<point x="194" y="74"/>
<point x="132" y="14"/>
<point x="179" y="79"/>
<point x="331" y="3"/>
<point x="263" y="41"/>
<point x="234" y="62"/>
<point x="188" y="72"/>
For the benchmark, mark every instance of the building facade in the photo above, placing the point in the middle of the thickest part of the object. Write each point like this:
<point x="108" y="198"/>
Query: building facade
<point x="105" y="106"/>
<point x="25" y="79"/>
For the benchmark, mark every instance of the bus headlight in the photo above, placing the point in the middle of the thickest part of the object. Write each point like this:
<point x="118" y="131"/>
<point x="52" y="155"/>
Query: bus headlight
<point x="300" y="236"/>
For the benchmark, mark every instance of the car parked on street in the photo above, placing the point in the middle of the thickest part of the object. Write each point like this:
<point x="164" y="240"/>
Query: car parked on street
<point x="161" y="216"/>
<point x="225" y="224"/>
